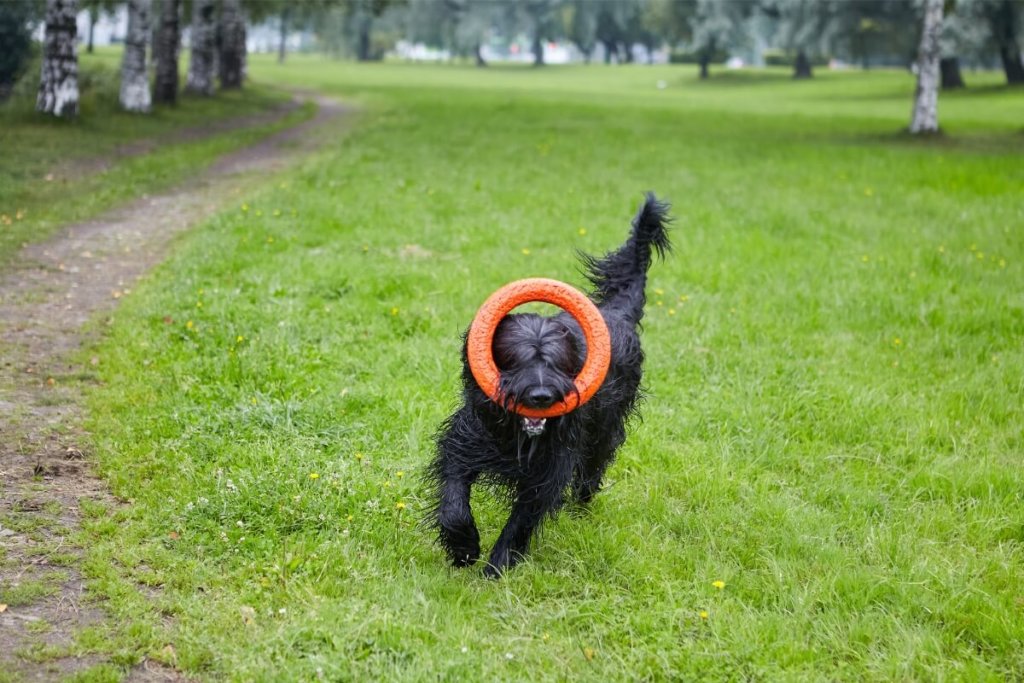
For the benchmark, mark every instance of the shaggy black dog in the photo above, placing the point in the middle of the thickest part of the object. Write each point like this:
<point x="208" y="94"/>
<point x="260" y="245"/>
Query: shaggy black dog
<point x="537" y="462"/>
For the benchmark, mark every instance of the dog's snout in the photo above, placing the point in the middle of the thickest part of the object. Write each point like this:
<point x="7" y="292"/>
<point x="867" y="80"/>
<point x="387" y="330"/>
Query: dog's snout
<point x="540" y="397"/>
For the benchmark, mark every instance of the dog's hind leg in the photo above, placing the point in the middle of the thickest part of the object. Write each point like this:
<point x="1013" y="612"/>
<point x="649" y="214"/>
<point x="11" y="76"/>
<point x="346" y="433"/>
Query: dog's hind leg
<point x="587" y="478"/>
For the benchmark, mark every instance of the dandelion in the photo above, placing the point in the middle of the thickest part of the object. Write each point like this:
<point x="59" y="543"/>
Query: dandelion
<point x="913" y="274"/>
<point x="277" y="212"/>
<point x="1002" y="263"/>
<point x="684" y="298"/>
<point x="199" y="304"/>
<point x="718" y="584"/>
<point x="400" y="506"/>
<point x="589" y="653"/>
<point x="897" y="341"/>
<point x="660" y="302"/>
<point x="582" y="231"/>
<point x="942" y="248"/>
<point x="980" y="254"/>
<point x="546" y="637"/>
<point x="387" y="484"/>
<point x="703" y="614"/>
<point x="399" y="474"/>
<point x="394" y="310"/>
<point x="865" y="258"/>
<point x="239" y="339"/>
<point x="359" y="456"/>
<point x="190" y="324"/>
<point x="245" y="207"/>
<point x="659" y="292"/>
<point x="253" y="399"/>
<point x="349" y="518"/>
<point x="526" y="252"/>
<point x="671" y="311"/>
<point x="868" y="192"/>
<point x="314" y="475"/>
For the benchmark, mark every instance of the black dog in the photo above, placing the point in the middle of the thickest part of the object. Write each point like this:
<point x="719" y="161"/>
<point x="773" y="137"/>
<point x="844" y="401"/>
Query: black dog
<point x="537" y="461"/>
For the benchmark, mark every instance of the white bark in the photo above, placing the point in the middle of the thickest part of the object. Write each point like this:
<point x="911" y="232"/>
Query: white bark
<point x="134" y="77"/>
<point x="58" y="80"/>
<point x="925" y="117"/>
<point x="200" y="66"/>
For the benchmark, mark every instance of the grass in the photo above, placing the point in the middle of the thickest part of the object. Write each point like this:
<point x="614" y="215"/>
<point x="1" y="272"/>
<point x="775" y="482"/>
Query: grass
<point x="55" y="172"/>
<point x="833" y="428"/>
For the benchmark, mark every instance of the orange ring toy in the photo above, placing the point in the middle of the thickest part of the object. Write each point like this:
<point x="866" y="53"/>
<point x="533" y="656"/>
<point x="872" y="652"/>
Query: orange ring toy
<point x="572" y="301"/>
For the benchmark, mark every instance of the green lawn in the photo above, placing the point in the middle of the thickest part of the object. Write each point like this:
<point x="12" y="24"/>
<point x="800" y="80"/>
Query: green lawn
<point x="53" y="172"/>
<point x="833" y="427"/>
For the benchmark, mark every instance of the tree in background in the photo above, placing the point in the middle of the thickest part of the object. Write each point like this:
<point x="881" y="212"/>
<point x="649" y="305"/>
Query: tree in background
<point x="806" y="28"/>
<point x="204" y="44"/>
<point x="58" y="81"/>
<point x="579" y="19"/>
<point x="1003" y="25"/>
<point x="16" y="19"/>
<point x="95" y="9"/>
<point x="925" y="116"/>
<point x="717" y="25"/>
<point x="134" y="77"/>
<point x="232" y="45"/>
<point x="166" y="46"/>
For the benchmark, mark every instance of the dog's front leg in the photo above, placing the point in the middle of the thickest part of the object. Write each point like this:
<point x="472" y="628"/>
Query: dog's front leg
<point x="458" y="532"/>
<point x="527" y="513"/>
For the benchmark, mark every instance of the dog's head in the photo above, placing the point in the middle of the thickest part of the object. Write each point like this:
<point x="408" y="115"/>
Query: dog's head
<point x="538" y="359"/>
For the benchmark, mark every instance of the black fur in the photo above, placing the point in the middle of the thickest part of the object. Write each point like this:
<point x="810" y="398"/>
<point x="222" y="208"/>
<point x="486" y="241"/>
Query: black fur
<point x="538" y="356"/>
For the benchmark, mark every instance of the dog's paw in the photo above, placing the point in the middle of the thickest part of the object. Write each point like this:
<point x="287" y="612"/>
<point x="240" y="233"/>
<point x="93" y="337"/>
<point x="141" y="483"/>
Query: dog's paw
<point x="465" y="558"/>
<point x="493" y="571"/>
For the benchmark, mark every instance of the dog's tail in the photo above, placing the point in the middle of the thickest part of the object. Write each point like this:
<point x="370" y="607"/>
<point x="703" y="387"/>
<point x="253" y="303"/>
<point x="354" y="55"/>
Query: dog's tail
<point x="623" y="273"/>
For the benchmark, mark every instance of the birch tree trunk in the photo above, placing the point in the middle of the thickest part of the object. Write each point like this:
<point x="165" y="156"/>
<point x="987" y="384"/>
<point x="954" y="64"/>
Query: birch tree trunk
<point x="58" y="81"/>
<point x="134" y="77"/>
<point x="232" y="50"/>
<point x="925" y="118"/>
<point x="165" y="90"/>
<point x="200" y="66"/>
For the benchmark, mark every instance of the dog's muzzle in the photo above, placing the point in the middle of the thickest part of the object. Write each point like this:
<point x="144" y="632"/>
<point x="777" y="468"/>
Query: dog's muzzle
<point x="534" y="426"/>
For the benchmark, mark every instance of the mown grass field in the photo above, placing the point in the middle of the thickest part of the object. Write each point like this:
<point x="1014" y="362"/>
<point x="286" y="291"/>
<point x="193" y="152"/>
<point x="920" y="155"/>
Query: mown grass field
<point x="833" y="429"/>
<point x="53" y="172"/>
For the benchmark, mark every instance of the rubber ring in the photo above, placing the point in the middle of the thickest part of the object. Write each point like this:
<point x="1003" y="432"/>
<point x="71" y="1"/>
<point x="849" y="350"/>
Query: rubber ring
<point x="481" y="338"/>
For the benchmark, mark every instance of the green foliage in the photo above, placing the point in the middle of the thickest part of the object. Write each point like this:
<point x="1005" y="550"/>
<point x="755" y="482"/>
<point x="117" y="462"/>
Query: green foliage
<point x="16" y="20"/>
<point x="833" y="421"/>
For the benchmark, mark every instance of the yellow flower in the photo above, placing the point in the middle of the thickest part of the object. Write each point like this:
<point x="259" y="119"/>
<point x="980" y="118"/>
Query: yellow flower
<point x="399" y="505"/>
<point x="659" y="292"/>
<point x="245" y="207"/>
<point x="589" y="653"/>
<point x="868" y="192"/>
<point x="1002" y="263"/>
<point x="387" y="484"/>
<point x="942" y="248"/>
<point x="349" y="518"/>
<point x="394" y="311"/>
<point x="314" y="475"/>
<point x="864" y="258"/>
<point x="671" y="311"/>
<point x="239" y="339"/>
<point x="359" y="456"/>
<point x="199" y="304"/>
<point x="399" y="474"/>
<point x="718" y="584"/>
<point x="189" y="324"/>
<point x="897" y="341"/>
<point x="546" y="637"/>
<point x="526" y="252"/>
<point x="660" y="302"/>
<point x="684" y="297"/>
<point x="703" y="614"/>
<point x="582" y="231"/>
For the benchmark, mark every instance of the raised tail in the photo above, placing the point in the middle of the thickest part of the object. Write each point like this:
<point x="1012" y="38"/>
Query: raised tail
<point x="623" y="272"/>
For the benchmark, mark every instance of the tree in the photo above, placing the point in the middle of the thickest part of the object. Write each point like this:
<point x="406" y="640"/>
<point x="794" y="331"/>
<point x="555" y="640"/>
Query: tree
<point x="925" y="117"/>
<point x="580" y="21"/>
<point x="95" y="9"/>
<point x="168" y="41"/>
<point x="232" y="45"/>
<point x="717" y="25"/>
<point x="804" y="27"/>
<point x="204" y="44"/>
<point x="1003" y="24"/>
<point x="58" y="82"/>
<point x="134" y="77"/>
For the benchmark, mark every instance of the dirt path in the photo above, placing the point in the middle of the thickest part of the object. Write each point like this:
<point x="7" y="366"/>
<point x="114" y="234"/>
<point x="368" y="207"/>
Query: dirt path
<point x="45" y="477"/>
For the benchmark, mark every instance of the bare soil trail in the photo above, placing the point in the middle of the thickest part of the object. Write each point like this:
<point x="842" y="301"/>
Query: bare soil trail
<point x="46" y="475"/>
